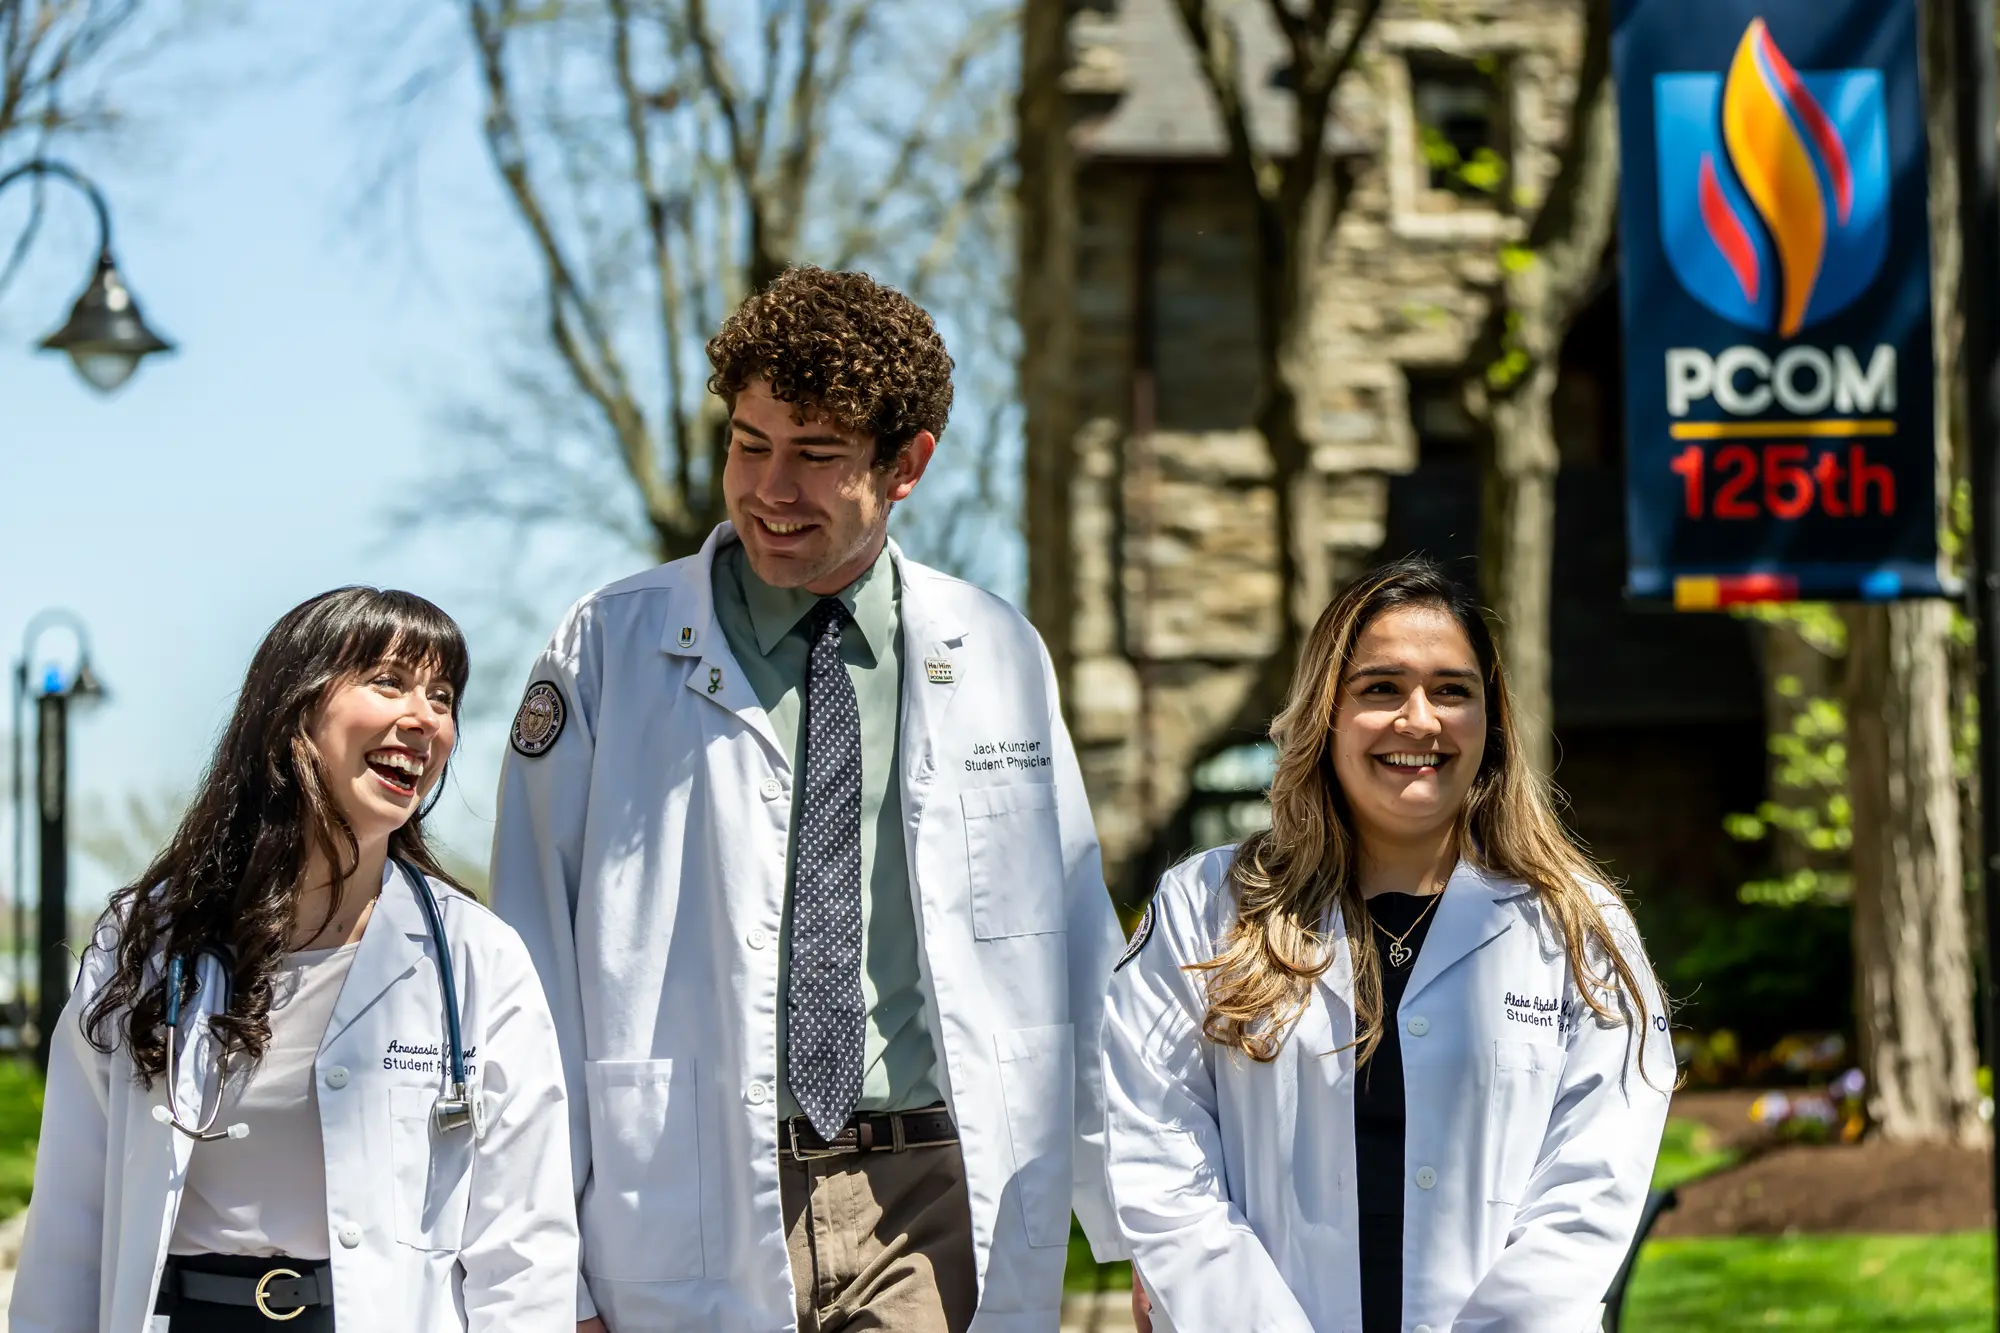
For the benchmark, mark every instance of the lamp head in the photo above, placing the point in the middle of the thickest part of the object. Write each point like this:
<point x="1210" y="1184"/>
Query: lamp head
<point x="105" y="336"/>
<point x="87" y="688"/>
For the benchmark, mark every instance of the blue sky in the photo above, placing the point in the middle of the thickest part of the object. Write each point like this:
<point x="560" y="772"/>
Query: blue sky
<point x="320" y="348"/>
<point x="327" y="338"/>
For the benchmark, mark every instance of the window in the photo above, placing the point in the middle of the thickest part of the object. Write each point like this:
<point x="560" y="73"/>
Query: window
<point x="1459" y="110"/>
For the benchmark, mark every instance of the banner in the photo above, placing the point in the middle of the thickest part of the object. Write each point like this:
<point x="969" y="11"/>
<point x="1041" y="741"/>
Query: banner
<point x="1775" y="282"/>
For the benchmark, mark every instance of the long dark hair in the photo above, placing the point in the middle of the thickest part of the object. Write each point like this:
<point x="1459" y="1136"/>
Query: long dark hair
<point x="229" y="878"/>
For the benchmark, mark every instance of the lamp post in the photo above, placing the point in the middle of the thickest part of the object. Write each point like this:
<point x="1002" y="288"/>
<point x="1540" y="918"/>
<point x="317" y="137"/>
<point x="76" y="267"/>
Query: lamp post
<point x="58" y="691"/>
<point x="104" y="336"/>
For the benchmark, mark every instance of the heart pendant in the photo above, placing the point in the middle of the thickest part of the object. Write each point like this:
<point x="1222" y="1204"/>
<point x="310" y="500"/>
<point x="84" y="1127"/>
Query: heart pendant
<point x="1398" y="955"/>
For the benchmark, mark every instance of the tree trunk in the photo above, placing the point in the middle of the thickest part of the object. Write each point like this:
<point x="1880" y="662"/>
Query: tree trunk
<point x="1045" y="299"/>
<point x="1519" y="556"/>
<point x="1543" y="288"/>
<point x="1913" y="972"/>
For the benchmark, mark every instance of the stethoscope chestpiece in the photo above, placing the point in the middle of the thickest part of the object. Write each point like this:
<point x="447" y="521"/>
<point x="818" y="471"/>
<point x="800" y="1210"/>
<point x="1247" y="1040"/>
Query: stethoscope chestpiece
<point x="457" y="1111"/>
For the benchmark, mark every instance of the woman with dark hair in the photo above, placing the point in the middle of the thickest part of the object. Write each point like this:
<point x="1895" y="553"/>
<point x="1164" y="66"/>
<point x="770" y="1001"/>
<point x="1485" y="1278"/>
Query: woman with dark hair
<point x="303" y="1078"/>
<point x="1397" y="1062"/>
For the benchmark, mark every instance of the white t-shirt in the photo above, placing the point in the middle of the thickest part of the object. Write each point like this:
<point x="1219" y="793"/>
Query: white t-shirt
<point x="266" y="1194"/>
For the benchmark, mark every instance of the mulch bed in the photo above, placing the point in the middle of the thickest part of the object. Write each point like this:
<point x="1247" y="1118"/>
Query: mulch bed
<point x="1864" y="1187"/>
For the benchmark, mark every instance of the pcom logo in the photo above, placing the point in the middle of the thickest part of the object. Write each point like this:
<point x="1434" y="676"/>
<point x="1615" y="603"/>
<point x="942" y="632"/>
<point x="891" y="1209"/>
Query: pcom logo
<point x="1774" y="186"/>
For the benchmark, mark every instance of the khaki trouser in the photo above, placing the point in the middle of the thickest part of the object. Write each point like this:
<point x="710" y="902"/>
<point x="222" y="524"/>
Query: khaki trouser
<point x="880" y="1240"/>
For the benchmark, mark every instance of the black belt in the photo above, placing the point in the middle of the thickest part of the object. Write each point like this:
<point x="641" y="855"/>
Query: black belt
<point x="286" y="1288"/>
<point x="871" y="1131"/>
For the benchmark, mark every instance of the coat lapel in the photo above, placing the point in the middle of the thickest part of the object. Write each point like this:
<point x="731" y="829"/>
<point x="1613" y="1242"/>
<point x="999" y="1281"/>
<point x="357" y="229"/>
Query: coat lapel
<point x="693" y="632"/>
<point x="935" y="666"/>
<point x="1476" y="909"/>
<point x="393" y="945"/>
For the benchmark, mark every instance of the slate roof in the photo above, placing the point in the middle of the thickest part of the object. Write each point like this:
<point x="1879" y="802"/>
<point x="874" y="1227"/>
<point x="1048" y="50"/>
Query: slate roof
<point x="1139" y="54"/>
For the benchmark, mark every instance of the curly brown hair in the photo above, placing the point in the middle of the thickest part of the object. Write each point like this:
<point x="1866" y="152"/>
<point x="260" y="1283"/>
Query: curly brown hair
<point x="865" y="357"/>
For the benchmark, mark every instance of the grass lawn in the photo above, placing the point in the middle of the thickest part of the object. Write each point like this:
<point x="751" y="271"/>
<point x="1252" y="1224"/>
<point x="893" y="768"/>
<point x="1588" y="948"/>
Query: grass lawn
<point x="1855" y="1284"/>
<point x="20" y="1124"/>
<point x="1687" y="1152"/>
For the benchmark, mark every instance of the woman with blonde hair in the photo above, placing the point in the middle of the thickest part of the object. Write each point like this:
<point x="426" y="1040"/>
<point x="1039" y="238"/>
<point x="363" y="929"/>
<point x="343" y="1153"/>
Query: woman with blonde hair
<point x="1399" y="1061"/>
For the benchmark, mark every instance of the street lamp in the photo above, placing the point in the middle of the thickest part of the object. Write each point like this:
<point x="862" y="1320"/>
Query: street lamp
<point x="58" y="690"/>
<point x="104" y="335"/>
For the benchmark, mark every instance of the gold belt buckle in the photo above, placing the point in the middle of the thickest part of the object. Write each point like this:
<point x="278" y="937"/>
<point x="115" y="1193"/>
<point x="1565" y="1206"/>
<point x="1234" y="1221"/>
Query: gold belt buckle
<point x="262" y="1296"/>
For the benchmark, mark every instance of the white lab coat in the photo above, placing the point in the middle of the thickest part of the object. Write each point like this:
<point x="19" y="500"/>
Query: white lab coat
<point x="427" y="1231"/>
<point x="1529" y="1146"/>
<point x="642" y="857"/>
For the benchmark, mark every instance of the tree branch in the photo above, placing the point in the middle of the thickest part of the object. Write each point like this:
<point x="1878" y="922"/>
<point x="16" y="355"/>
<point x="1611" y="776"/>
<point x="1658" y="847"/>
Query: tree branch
<point x="1218" y="54"/>
<point x="573" y="318"/>
<point x="655" y="205"/>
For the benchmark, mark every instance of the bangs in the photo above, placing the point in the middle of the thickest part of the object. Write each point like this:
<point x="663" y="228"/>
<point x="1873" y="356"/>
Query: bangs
<point x="401" y="628"/>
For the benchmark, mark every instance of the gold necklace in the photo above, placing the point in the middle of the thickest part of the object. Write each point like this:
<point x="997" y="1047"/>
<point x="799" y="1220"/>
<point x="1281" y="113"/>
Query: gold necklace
<point x="1398" y="955"/>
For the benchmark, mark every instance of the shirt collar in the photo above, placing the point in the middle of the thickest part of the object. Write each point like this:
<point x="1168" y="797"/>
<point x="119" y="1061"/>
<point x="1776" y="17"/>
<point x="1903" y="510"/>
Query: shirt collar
<point x="870" y="600"/>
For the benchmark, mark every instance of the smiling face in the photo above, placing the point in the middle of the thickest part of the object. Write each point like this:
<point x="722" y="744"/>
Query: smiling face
<point x="383" y="737"/>
<point x="1410" y="730"/>
<point x="808" y="502"/>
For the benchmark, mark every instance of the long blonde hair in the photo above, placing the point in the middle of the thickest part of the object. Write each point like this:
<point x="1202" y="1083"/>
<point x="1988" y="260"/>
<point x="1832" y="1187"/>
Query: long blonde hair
<point x="1289" y="878"/>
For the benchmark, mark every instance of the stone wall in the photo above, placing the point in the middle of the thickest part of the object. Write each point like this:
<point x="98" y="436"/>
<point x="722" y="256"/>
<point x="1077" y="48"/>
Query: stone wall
<point x="1173" y="592"/>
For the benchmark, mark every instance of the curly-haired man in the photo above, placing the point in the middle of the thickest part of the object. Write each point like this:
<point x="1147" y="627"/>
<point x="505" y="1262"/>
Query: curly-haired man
<point x="799" y="844"/>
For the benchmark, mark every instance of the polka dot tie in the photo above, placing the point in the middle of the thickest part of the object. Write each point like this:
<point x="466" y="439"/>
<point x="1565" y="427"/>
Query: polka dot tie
<point x="823" y="1004"/>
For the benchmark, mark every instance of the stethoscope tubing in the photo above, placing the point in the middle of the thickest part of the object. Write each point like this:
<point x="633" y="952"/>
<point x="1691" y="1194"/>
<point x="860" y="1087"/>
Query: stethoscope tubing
<point x="450" y="1113"/>
<point x="447" y="974"/>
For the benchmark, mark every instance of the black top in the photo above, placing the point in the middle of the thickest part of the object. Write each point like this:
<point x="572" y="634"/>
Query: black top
<point x="1378" y="1118"/>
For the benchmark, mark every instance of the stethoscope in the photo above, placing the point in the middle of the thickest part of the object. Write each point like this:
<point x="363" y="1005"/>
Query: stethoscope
<point x="455" y="1110"/>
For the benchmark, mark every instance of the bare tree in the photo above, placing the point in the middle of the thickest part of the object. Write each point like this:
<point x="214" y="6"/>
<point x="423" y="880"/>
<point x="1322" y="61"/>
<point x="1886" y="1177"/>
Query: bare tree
<point x="1544" y="282"/>
<point x="47" y="52"/>
<point x="1914" y="981"/>
<point x="51" y="54"/>
<point x="1293" y="207"/>
<point x="666" y="157"/>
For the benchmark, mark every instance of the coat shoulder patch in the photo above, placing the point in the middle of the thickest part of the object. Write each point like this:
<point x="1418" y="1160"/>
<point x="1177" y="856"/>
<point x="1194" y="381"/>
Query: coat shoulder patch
<point x="1140" y="935"/>
<point x="540" y="719"/>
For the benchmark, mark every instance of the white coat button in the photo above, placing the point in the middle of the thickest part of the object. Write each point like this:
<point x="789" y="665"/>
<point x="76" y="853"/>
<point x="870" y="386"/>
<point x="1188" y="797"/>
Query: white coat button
<point x="336" y="1077"/>
<point x="1426" y="1177"/>
<point x="1419" y="1025"/>
<point x="758" y="1094"/>
<point x="1421" y="1328"/>
<point x="757" y="939"/>
<point x="771" y="788"/>
<point x="350" y="1237"/>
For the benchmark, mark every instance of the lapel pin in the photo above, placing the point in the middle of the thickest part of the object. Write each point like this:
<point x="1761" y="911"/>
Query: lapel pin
<point x="714" y="679"/>
<point x="937" y="670"/>
<point x="687" y="636"/>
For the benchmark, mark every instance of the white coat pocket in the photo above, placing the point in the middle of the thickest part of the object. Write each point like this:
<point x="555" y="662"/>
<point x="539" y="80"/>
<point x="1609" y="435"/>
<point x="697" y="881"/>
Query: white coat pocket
<point x="433" y="1172"/>
<point x="1013" y="860"/>
<point x="1526" y="1075"/>
<point x="1038" y="1081"/>
<point x="641" y="1214"/>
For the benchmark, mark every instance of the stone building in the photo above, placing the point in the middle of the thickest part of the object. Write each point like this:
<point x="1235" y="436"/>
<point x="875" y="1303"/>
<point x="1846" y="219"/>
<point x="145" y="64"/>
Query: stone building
<point x="1151" y="511"/>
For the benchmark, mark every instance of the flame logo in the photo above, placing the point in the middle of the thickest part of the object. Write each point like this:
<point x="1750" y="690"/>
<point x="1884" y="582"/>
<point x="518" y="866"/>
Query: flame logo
<point x="1773" y="185"/>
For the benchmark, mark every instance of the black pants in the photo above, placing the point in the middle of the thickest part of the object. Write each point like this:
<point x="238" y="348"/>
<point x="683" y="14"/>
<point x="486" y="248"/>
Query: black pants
<point x="186" y="1316"/>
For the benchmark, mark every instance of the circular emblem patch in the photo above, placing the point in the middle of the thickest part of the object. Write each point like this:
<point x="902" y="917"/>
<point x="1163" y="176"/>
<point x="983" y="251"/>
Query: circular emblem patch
<point x="540" y="719"/>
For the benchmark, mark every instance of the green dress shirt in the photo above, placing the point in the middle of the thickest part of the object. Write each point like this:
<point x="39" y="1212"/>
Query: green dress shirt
<point x="765" y="627"/>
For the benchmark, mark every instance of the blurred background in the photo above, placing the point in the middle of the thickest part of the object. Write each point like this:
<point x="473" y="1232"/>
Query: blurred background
<point x="437" y="273"/>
